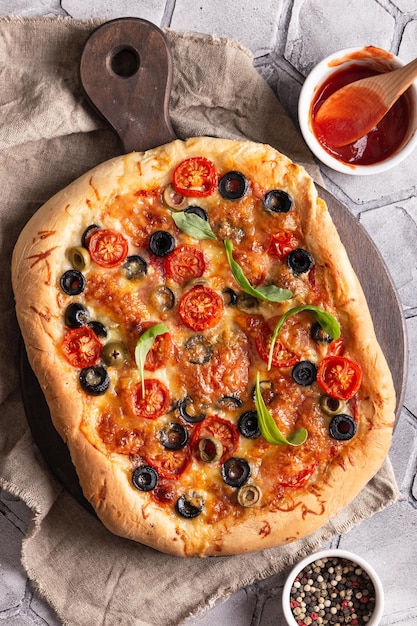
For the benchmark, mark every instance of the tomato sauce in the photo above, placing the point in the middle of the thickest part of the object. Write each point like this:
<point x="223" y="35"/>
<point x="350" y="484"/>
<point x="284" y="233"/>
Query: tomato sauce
<point x="382" y="141"/>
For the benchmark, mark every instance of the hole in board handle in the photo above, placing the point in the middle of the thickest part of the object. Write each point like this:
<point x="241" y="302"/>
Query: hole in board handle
<point x="124" y="61"/>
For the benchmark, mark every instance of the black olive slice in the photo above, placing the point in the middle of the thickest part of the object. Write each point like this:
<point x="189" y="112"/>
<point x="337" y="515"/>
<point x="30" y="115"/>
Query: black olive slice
<point x="197" y="210"/>
<point x="145" y="478"/>
<point x="94" y="380"/>
<point x="229" y="296"/>
<point x="173" y="436"/>
<point x="304" y="373"/>
<point x="233" y="185"/>
<point x="189" y="506"/>
<point x="267" y="391"/>
<point x="299" y="261"/>
<point x="342" y="427"/>
<point x="319" y="335"/>
<point x="247" y="303"/>
<point x="76" y="315"/>
<point x="191" y="418"/>
<point x="72" y="282"/>
<point x="87" y="234"/>
<point x="98" y="328"/>
<point x="332" y="406"/>
<point x="229" y="403"/>
<point x="114" y="353"/>
<point x="278" y="201"/>
<point x="235" y="472"/>
<point x="198" y="349"/>
<point x="161" y="243"/>
<point x="248" y="425"/>
<point x="162" y="298"/>
<point x="135" y="267"/>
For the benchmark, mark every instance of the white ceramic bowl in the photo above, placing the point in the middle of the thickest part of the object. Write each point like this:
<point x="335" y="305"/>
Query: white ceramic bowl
<point x="340" y="554"/>
<point x="380" y="60"/>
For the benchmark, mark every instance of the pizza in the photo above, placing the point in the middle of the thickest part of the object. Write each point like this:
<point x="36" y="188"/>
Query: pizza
<point x="204" y="346"/>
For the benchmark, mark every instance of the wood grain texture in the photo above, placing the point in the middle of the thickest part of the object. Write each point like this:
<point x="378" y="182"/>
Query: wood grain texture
<point x="126" y="74"/>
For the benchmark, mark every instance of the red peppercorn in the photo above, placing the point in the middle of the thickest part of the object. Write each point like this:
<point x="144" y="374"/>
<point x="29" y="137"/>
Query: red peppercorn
<point x="314" y="615"/>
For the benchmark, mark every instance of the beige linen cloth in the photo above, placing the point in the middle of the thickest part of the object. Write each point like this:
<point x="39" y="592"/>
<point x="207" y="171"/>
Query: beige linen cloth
<point x="48" y="137"/>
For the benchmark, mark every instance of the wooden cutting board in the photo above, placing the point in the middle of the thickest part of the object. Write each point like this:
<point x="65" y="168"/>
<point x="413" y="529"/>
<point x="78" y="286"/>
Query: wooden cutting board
<point x="126" y="72"/>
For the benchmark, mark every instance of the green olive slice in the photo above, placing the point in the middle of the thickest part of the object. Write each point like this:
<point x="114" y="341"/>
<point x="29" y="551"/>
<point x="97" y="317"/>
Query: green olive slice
<point x="332" y="406"/>
<point x="173" y="199"/>
<point x="210" y="449"/>
<point x="248" y="495"/>
<point x="114" y="353"/>
<point x="79" y="258"/>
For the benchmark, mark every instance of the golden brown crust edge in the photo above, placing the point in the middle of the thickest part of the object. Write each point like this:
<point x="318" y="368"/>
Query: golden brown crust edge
<point x="72" y="209"/>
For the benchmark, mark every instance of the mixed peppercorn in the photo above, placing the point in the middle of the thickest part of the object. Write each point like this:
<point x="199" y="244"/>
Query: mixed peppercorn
<point x="332" y="591"/>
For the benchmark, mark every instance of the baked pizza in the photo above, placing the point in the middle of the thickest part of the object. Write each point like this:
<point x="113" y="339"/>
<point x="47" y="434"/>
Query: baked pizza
<point x="204" y="346"/>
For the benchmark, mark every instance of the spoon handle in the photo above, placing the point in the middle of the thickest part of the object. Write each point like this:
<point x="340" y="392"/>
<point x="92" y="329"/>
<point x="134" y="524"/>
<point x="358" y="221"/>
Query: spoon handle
<point x="398" y="81"/>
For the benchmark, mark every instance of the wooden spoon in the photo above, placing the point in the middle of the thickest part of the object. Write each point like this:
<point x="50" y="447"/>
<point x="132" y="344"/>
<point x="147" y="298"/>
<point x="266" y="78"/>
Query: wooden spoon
<point x="352" y="111"/>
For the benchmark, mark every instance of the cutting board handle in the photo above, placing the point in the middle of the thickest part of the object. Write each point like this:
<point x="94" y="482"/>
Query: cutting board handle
<point x="126" y="74"/>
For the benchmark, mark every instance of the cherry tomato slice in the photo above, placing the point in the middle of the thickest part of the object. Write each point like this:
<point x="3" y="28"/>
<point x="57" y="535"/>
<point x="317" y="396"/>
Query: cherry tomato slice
<point x="220" y="429"/>
<point x="160" y="352"/>
<point x="201" y="308"/>
<point x="168" y="463"/>
<point x="281" y="244"/>
<point x="185" y="263"/>
<point x="107" y="248"/>
<point x="195" y="177"/>
<point x="336" y="347"/>
<point x="81" y="347"/>
<point x="154" y="403"/>
<point x="117" y="436"/>
<point x="282" y="356"/>
<point x="339" y="377"/>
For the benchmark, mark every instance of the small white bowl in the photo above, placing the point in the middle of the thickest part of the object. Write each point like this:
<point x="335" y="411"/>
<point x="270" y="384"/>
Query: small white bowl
<point x="377" y="58"/>
<point x="339" y="554"/>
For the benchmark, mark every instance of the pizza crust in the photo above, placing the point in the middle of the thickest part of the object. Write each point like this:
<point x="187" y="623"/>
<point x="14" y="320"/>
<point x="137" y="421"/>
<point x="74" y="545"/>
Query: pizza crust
<point x="39" y="258"/>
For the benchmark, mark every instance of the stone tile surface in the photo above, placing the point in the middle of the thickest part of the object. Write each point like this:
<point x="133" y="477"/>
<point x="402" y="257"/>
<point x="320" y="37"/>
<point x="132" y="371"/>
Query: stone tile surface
<point x="287" y="37"/>
<point x="26" y="8"/>
<point x="319" y="27"/>
<point x="152" y="10"/>
<point x="254" y="24"/>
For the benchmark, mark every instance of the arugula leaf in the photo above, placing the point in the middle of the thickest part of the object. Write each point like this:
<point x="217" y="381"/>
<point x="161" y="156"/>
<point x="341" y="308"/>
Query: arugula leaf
<point x="143" y="346"/>
<point x="328" y="323"/>
<point x="268" y="427"/>
<point x="193" y="225"/>
<point x="271" y="293"/>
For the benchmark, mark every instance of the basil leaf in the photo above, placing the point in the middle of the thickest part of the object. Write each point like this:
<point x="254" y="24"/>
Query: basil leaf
<point x="143" y="346"/>
<point x="268" y="427"/>
<point x="266" y="292"/>
<point x="328" y="323"/>
<point x="193" y="225"/>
